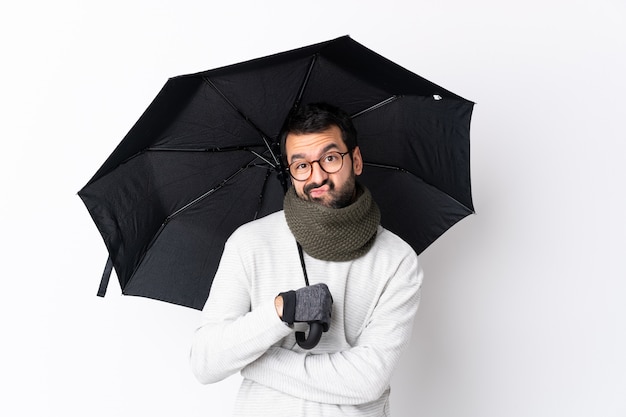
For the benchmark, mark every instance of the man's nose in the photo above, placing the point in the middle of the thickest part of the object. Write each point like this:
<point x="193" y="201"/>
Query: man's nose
<point x="317" y="173"/>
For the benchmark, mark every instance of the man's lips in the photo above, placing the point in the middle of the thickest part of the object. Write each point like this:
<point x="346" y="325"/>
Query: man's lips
<point x="319" y="191"/>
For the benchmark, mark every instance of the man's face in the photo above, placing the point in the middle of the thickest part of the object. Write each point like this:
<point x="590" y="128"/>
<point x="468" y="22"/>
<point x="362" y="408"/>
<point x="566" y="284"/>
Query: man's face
<point x="335" y="190"/>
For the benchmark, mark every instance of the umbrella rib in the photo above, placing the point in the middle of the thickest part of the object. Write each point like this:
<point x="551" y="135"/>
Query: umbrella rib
<point x="246" y="118"/>
<point x="305" y="81"/>
<point x="269" y="148"/>
<point x="217" y="149"/>
<point x="404" y="171"/>
<point x="258" y="155"/>
<point x="206" y="194"/>
<point x="260" y="201"/>
<point x="376" y="106"/>
<point x="227" y="149"/>
<point x="185" y="207"/>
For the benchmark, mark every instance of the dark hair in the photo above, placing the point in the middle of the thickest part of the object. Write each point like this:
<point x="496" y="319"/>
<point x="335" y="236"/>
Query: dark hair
<point x="315" y="118"/>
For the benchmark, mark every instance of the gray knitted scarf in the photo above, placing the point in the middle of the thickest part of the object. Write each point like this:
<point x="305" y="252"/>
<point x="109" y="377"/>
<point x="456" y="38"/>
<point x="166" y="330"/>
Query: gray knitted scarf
<point x="333" y="234"/>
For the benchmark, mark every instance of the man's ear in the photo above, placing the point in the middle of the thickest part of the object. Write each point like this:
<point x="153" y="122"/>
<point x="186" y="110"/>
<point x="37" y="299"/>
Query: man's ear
<point x="357" y="161"/>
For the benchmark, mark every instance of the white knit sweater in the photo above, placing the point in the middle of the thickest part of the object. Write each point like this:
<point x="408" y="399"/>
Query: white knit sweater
<point x="348" y="373"/>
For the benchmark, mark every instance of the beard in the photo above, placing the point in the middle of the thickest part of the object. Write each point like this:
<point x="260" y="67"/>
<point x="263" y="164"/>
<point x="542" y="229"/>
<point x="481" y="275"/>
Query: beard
<point x="336" y="197"/>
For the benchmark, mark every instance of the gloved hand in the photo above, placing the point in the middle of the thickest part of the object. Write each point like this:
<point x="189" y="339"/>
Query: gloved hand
<point x="311" y="304"/>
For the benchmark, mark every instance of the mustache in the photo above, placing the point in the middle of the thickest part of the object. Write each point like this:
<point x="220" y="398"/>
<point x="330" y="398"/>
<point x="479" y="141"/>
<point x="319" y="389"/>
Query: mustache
<point x="307" y="188"/>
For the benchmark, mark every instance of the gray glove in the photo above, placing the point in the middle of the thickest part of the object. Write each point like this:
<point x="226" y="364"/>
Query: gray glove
<point x="312" y="304"/>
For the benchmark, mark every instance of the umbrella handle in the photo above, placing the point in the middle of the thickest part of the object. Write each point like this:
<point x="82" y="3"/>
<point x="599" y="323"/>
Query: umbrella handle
<point x="315" y="334"/>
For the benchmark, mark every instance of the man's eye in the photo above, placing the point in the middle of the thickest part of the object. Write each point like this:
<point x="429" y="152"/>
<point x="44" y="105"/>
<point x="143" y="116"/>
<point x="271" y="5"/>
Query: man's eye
<point x="301" y="166"/>
<point x="330" y="158"/>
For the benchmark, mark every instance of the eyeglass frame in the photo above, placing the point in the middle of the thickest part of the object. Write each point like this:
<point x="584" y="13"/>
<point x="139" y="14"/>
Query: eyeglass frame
<point x="342" y="154"/>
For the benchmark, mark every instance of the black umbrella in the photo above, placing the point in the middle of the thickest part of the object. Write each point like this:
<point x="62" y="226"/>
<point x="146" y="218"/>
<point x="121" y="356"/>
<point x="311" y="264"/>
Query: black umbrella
<point x="204" y="159"/>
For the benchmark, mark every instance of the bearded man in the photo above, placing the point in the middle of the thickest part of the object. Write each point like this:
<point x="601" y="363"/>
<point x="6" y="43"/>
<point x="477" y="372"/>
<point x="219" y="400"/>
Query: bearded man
<point x="364" y="292"/>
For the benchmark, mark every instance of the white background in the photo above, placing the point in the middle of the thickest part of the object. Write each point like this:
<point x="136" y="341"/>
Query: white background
<point x="524" y="303"/>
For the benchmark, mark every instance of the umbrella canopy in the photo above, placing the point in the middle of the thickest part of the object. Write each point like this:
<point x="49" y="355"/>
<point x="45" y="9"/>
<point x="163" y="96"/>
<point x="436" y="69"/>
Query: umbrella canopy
<point x="204" y="159"/>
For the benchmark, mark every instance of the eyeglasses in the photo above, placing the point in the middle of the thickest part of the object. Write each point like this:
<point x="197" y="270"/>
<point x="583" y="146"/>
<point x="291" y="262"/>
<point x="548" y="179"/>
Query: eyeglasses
<point x="330" y="162"/>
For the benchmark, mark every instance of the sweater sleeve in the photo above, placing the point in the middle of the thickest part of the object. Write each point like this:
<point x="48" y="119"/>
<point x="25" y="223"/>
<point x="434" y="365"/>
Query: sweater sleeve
<point x="361" y="373"/>
<point x="232" y="336"/>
